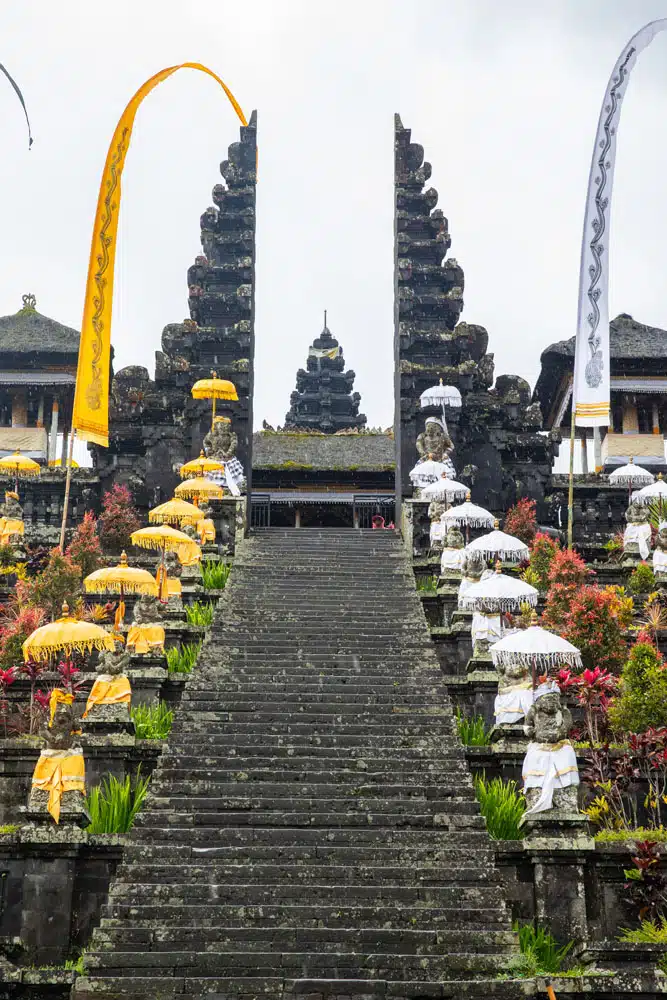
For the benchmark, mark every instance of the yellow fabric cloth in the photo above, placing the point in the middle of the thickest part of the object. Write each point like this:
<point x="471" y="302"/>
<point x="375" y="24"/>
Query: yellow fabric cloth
<point x="206" y="530"/>
<point x="58" y="697"/>
<point x="59" y="771"/>
<point x="91" y="397"/>
<point x="120" y="614"/>
<point x="10" y="526"/>
<point x="174" y="588"/>
<point x="145" y="638"/>
<point x="108" y="690"/>
<point x="188" y="555"/>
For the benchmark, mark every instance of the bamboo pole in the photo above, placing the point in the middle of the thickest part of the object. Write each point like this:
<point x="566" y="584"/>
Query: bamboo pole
<point x="68" y="483"/>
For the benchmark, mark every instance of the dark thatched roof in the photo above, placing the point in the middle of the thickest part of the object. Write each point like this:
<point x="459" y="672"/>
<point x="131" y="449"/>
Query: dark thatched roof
<point x="28" y="332"/>
<point x="294" y="450"/>
<point x="627" y="339"/>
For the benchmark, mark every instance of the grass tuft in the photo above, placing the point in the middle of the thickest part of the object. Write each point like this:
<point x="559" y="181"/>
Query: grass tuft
<point x="152" y="722"/>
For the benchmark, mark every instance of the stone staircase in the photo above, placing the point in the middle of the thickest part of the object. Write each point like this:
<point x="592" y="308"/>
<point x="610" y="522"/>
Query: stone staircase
<point x="311" y="828"/>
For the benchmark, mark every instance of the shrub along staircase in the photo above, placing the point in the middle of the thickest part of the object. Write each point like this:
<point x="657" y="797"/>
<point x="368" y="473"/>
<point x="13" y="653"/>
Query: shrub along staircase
<point x="311" y="828"/>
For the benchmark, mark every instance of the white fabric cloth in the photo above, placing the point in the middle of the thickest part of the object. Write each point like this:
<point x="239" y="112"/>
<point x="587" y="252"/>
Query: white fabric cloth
<point x="591" y="360"/>
<point x="641" y="534"/>
<point x="660" y="562"/>
<point x="438" y="532"/>
<point x="512" y="703"/>
<point x="549" y="767"/>
<point x="451" y="559"/>
<point x="486" y="628"/>
<point x="467" y="582"/>
<point x="498" y="544"/>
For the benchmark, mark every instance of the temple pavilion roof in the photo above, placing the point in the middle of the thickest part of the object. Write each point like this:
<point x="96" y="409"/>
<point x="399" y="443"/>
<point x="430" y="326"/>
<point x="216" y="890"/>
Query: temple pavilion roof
<point x="627" y="339"/>
<point x="29" y="333"/>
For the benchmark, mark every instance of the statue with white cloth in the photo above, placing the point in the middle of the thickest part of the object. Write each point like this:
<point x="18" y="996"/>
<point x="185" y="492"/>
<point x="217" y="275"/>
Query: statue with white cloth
<point x="516" y="693"/>
<point x="453" y="551"/>
<point x="637" y="535"/>
<point x="660" y="555"/>
<point x="550" y="772"/>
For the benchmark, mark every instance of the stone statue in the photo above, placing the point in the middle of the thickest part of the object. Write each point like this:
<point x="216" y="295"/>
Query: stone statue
<point x="12" y="527"/>
<point x="221" y="443"/>
<point x="58" y="783"/>
<point x="660" y="555"/>
<point x="11" y="508"/>
<point x="147" y="611"/>
<point x="637" y="535"/>
<point x="550" y="770"/>
<point x="435" y="442"/>
<point x="516" y="694"/>
<point x="110" y="696"/>
<point x="473" y="567"/>
<point x="453" y="550"/>
<point x="438" y="531"/>
<point x="191" y="573"/>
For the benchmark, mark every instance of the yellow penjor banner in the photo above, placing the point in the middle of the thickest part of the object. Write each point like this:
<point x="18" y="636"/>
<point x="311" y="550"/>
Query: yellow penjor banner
<point x="91" y="398"/>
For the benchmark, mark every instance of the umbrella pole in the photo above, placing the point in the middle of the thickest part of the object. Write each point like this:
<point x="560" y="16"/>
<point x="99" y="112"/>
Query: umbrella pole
<point x="68" y="483"/>
<point x="213" y="414"/>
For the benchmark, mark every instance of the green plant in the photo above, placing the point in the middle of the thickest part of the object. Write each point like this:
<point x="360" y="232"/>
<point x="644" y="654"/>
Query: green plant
<point x="541" y="948"/>
<point x="200" y="613"/>
<point x="472" y="730"/>
<point x="531" y="577"/>
<point x="6" y="556"/>
<point x="76" y="964"/>
<point x="182" y="661"/>
<point x="427" y="584"/>
<point x="642" y="580"/>
<point x="152" y="722"/>
<point x="215" y="574"/>
<point x="502" y="805"/>
<point x="638" y="833"/>
<point x="614" y="547"/>
<point x="648" y="932"/>
<point x="9" y="828"/>
<point x="642" y="698"/>
<point x="59" y="582"/>
<point x="542" y="551"/>
<point x="85" y="549"/>
<point x="114" y="804"/>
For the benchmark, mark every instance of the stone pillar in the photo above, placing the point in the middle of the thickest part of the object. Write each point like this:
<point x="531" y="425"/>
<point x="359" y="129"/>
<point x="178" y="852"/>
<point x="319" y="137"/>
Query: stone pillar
<point x="53" y="438"/>
<point x="63" y="453"/>
<point x="48" y="882"/>
<point x="630" y="421"/>
<point x="560" y="890"/>
<point x="40" y="411"/>
<point x="19" y="409"/>
<point x="297" y="518"/>
<point x="584" y="452"/>
<point x="656" y="418"/>
<point x="597" y="449"/>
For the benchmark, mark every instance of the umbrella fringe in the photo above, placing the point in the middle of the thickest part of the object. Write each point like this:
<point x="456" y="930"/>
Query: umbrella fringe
<point x="112" y="586"/>
<point x="87" y="646"/>
<point x="493" y="604"/>
<point x="505" y="555"/>
<point x="507" y="658"/>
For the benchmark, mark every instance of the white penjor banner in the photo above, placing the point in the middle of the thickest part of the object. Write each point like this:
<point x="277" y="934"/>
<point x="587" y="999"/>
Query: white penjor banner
<point x="591" y="358"/>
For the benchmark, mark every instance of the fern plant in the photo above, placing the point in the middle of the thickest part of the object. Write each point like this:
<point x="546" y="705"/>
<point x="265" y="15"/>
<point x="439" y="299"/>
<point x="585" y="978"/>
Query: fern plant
<point x="648" y="932"/>
<point x="427" y="584"/>
<point x="541" y="949"/>
<point x="182" y="661"/>
<point x="200" y="613"/>
<point x="152" y="722"/>
<point x="215" y="574"/>
<point x="114" y="804"/>
<point x="502" y="805"/>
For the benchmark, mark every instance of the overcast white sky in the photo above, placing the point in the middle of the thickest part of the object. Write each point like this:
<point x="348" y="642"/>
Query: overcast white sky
<point x="504" y="96"/>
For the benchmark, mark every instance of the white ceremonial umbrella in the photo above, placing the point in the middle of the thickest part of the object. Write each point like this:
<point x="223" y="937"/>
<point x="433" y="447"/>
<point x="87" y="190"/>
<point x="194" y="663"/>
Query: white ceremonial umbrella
<point x="441" y="395"/>
<point x="657" y="491"/>
<point x="535" y="647"/>
<point x="500" y="545"/>
<point x="444" y="489"/>
<point x="427" y="472"/>
<point x="498" y="593"/>
<point x="631" y="475"/>
<point x="468" y="515"/>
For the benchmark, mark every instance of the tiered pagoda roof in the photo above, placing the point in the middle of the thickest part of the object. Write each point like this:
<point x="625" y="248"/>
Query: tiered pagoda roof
<point x="323" y="399"/>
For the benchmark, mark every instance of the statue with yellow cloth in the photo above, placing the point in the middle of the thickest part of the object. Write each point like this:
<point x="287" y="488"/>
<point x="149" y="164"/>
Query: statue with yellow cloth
<point x="205" y="527"/>
<point x="58" y="781"/>
<point x="12" y="527"/>
<point x="146" y="635"/>
<point x="111" y="694"/>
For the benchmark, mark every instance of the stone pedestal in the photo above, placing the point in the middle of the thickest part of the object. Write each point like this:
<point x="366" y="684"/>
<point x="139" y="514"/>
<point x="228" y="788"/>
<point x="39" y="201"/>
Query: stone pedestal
<point x="559" y="858"/>
<point x="108" y="724"/>
<point x="509" y="737"/>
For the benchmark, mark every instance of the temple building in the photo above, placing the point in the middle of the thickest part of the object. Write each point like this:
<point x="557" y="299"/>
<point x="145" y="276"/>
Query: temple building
<point x="323" y="399"/>
<point x="38" y="360"/>
<point x="638" y="397"/>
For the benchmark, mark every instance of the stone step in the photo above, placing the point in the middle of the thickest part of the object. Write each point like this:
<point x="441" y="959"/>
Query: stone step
<point x="168" y="915"/>
<point x="431" y="726"/>
<point x="266" y="781"/>
<point x="320" y="939"/>
<point x="201" y="828"/>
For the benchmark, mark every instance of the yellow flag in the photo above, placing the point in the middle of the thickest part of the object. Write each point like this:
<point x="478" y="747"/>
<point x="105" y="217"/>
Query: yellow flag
<point x="91" y="396"/>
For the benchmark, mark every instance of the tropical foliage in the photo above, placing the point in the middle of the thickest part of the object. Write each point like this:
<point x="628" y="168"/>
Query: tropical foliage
<point x="114" y="804"/>
<point x="502" y="805"/>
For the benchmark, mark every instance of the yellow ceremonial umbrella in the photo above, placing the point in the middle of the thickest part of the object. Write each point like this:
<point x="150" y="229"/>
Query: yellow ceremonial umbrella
<point x="121" y="579"/>
<point x="199" y="488"/>
<point x="175" y="511"/>
<point x="20" y="466"/>
<point x="65" y="635"/>
<point x="166" y="539"/>
<point x="55" y="463"/>
<point x="198" y="466"/>
<point x="214" y="388"/>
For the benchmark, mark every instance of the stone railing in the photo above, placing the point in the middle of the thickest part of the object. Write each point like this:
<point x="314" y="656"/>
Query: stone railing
<point x="42" y="500"/>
